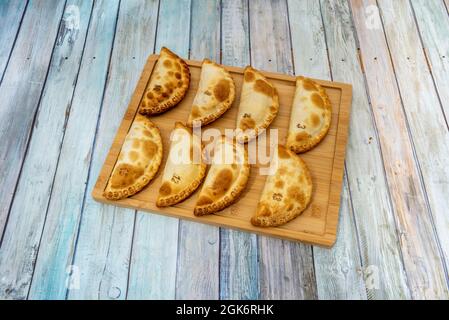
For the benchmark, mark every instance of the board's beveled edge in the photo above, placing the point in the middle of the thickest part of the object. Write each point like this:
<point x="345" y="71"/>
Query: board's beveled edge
<point x="329" y="236"/>
<point x="339" y="160"/>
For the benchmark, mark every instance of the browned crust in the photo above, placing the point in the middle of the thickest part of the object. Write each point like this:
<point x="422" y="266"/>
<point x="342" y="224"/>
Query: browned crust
<point x="222" y="107"/>
<point x="177" y="95"/>
<point x="117" y="194"/>
<point x="245" y="138"/>
<point x="233" y="195"/>
<point x="185" y="193"/>
<point x="276" y="219"/>
<point x="182" y="195"/>
<point x="313" y="142"/>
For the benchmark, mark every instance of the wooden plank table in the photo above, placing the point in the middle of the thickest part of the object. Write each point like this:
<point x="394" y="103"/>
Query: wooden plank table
<point x="67" y="72"/>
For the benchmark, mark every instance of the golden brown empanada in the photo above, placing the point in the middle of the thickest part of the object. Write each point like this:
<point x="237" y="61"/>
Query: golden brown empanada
<point x="216" y="92"/>
<point x="184" y="170"/>
<point x="226" y="179"/>
<point x="259" y="105"/>
<point x="310" y="116"/>
<point x="286" y="193"/>
<point x="138" y="161"/>
<point x="168" y="84"/>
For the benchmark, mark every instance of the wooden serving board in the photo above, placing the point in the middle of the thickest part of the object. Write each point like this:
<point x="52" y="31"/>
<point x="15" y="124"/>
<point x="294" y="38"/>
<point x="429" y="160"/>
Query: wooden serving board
<point x="318" y="223"/>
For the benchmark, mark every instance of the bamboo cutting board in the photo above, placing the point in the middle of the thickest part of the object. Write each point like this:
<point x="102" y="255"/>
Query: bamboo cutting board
<point x="318" y="223"/>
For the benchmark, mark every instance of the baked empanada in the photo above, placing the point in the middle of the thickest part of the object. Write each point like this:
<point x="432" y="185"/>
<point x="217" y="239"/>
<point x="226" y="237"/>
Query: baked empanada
<point x="259" y="105"/>
<point x="310" y="116"/>
<point x="286" y="193"/>
<point x="184" y="170"/>
<point x="216" y="92"/>
<point x="226" y="179"/>
<point x="138" y="161"/>
<point x="168" y="84"/>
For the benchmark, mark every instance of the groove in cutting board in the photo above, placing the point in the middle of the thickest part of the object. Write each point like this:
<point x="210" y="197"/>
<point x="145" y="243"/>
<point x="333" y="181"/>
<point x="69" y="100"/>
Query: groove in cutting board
<point x="317" y="225"/>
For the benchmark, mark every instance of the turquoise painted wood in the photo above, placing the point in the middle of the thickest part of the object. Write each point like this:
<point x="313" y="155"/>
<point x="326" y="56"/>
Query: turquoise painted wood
<point x="20" y="91"/>
<point x="294" y="277"/>
<point x="239" y="266"/>
<point x="155" y="245"/>
<point x="374" y="217"/>
<point x="337" y="270"/>
<point x="11" y="13"/>
<point x="26" y="73"/>
<point x="199" y="244"/>
<point x="106" y="231"/>
<point x="60" y="109"/>
<point x="64" y="209"/>
<point x="34" y="189"/>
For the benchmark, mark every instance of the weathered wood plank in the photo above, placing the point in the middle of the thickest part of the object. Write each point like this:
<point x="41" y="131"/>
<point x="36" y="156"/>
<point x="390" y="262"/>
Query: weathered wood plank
<point x="308" y="39"/>
<point x="64" y="209"/>
<point x="20" y="90"/>
<point x="11" y="13"/>
<point x="425" y="119"/>
<point x="155" y="243"/>
<point x="104" y="242"/>
<point x="239" y="271"/>
<point x="286" y="268"/>
<point x="199" y="244"/>
<point x="433" y="24"/>
<point x="22" y="236"/>
<point x="419" y="245"/>
<point x="338" y="270"/>
<point x="380" y="251"/>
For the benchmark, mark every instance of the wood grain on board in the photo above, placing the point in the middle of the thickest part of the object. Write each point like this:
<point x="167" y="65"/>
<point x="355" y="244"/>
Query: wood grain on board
<point x="319" y="221"/>
<point x="338" y="270"/>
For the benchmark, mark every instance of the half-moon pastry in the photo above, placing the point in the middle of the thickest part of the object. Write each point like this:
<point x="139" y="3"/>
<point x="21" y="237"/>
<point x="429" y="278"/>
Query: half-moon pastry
<point x="310" y="116"/>
<point x="184" y="170"/>
<point x="138" y="161"/>
<point x="168" y="84"/>
<point x="259" y="105"/>
<point x="216" y="92"/>
<point x="226" y="179"/>
<point x="286" y="193"/>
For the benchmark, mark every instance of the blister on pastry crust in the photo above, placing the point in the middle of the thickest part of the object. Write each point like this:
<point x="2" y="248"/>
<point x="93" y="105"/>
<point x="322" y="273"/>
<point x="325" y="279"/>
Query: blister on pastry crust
<point x="168" y="84"/>
<point x="286" y="193"/>
<point x="226" y="179"/>
<point x="259" y="105"/>
<point x="311" y="116"/>
<point x="216" y="92"/>
<point x="184" y="170"/>
<point x="138" y="161"/>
